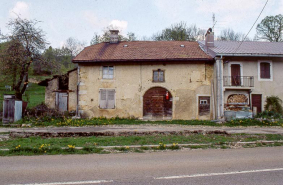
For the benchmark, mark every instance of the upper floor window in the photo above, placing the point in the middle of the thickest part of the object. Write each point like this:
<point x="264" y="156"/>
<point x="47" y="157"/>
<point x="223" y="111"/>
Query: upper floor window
<point x="265" y="70"/>
<point x="107" y="72"/>
<point x="158" y="75"/>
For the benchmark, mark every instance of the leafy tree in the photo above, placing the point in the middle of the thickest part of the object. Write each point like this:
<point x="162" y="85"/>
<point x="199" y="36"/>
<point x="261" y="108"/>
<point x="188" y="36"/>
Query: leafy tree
<point x="273" y="103"/>
<point x="179" y="31"/>
<point x="230" y="35"/>
<point x="23" y="46"/>
<point x="271" y="28"/>
<point x="105" y="36"/>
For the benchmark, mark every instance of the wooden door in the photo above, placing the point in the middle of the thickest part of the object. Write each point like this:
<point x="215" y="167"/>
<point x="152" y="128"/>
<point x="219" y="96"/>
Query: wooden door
<point x="256" y="102"/>
<point x="156" y="104"/>
<point x="62" y="101"/>
<point x="235" y="74"/>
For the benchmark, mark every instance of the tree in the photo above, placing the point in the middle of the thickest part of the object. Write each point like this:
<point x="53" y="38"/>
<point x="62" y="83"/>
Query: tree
<point x="105" y="36"/>
<point x="271" y="28"/>
<point x="74" y="46"/>
<point x="230" y="35"/>
<point x="23" y="46"/>
<point x="179" y="31"/>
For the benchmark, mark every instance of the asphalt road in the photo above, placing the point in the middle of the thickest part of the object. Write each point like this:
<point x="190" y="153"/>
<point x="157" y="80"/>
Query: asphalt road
<point x="231" y="166"/>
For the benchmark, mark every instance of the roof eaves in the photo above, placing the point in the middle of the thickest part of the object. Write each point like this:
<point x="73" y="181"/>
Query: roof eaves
<point x="249" y="55"/>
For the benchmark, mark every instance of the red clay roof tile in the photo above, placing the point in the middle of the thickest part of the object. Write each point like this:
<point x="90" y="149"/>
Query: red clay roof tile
<point x="142" y="51"/>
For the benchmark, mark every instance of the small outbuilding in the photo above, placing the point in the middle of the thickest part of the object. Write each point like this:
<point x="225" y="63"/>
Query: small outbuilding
<point x="61" y="91"/>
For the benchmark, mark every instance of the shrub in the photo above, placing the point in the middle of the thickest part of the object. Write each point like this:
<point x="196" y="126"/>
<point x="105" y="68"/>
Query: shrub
<point x="273" y="103"/>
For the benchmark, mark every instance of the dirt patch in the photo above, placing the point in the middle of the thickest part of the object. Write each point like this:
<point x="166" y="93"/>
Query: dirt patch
<point x="126" y="133"/>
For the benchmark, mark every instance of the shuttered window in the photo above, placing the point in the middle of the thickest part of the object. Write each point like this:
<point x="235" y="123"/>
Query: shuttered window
<point x="107" y="99"/>
<point x="158" y="76"/>
<point x="265" y="70"/>
<point x="107" y="72"/>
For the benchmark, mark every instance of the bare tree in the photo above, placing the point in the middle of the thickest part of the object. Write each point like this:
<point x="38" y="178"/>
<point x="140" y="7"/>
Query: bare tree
<point x="74" y="46"/>
<point x="271" y="28"/>
<point x="230" y="35"/>
<point x="23" y="46"/>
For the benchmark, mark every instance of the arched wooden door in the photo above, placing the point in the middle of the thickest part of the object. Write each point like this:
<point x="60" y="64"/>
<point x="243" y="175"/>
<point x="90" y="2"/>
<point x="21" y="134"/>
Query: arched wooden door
<point x="157" y="102"/>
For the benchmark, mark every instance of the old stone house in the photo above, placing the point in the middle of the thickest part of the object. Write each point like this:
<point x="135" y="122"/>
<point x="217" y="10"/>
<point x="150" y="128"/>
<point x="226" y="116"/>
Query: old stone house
<point x="245" y="74"/>
<point x="145" y="79"/>
<point x="61" y="91"/>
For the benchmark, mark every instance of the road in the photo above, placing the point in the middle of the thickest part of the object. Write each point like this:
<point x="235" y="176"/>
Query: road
<point x="213" y="166"/>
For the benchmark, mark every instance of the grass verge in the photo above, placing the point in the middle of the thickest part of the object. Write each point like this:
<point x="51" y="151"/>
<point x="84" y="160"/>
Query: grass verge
<point x="64" y="121"/>
<point x="51" y="146"/>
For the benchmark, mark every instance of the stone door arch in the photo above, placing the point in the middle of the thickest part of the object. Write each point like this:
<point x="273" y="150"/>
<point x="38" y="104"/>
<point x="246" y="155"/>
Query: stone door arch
<point x="156" y="104"/>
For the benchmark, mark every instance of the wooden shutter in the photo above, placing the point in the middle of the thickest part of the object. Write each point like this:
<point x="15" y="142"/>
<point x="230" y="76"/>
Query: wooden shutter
<point x="264" y="70"/>
<point x="103" y="99"/>
<point x="110" y="98"/>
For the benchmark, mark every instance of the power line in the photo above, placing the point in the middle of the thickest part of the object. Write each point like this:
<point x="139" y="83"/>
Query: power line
<point x="251" y="27"/>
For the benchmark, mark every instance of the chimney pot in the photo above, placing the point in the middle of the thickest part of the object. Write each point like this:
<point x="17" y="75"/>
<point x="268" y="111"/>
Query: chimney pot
<point x="114" y="38"/>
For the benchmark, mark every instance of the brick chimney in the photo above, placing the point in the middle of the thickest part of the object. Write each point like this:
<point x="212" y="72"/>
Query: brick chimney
<point x="114" y="38"/>
<point x="209" y="38"/>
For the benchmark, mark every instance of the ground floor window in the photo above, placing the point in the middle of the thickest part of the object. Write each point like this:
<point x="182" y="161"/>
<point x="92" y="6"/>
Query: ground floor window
<point x="107" y="98"/>
<point x="204" y="105"/>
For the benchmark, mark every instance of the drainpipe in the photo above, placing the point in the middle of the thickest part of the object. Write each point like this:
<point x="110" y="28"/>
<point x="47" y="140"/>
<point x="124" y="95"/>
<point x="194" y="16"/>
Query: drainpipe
<point x="78" y="89"/>
<point x="219" y="87"/>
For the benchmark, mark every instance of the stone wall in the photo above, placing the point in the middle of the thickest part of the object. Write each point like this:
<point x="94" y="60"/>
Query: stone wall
<point x="184" y="81"/>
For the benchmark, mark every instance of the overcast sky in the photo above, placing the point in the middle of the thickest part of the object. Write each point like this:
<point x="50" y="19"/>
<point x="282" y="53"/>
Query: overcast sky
<point x="80" y="19"/>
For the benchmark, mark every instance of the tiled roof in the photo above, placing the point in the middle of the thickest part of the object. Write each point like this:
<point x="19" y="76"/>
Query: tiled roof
<point x="142" y="51"/>
<point x="246" y="48"/>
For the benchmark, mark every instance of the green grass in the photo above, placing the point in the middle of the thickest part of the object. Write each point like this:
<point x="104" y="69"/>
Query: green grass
<point x="34" y="95"/>
<point x="65" y="121"/>
<point x="51" y="146"/>
<point x="135" y="140"/>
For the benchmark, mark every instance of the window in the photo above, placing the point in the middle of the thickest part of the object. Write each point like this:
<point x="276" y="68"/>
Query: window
<point x="107" y="72"/>
<point x="204" y="105"/>
<point x="265" y="70"/>
<point x="107" y="99"/>
<point x="158" y="76"/>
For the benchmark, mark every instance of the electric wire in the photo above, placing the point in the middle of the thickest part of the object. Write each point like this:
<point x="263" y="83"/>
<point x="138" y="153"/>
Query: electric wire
<point x="251" y="27"/>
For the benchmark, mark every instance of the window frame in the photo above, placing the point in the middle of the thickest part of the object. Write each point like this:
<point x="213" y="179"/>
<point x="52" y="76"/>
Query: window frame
<point x="270" y="72"/>
<point x="158" y="71"/>
<point x="107" y="96"/>
<point x="107" y="78"/>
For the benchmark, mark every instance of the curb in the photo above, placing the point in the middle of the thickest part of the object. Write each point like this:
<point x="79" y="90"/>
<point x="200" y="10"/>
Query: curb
<point x="169" y="145"/>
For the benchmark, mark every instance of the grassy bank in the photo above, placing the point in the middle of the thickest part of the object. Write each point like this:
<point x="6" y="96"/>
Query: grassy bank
<point x="37" y="145"/>
<point x="65" y="121"/>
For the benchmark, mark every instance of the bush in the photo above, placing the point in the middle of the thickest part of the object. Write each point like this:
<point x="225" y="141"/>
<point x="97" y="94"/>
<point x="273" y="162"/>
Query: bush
<point x="273" y="103"/>
<point x="269" y="115"/>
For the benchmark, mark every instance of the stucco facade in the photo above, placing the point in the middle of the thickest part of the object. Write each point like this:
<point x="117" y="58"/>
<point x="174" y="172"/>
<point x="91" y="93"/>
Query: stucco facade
<point x="186" y="82"/>
<point x="250" y="67"/>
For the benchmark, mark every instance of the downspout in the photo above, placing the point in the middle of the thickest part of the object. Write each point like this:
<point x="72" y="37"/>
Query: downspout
<point x="221" y="88"/>
<point x="78" y="89"/>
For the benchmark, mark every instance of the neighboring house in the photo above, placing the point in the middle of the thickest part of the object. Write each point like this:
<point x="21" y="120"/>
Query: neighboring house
<point x="245" y="74"/>
<point x="145" y="79"/>
<point x="61" y="91"/>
